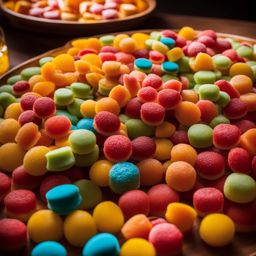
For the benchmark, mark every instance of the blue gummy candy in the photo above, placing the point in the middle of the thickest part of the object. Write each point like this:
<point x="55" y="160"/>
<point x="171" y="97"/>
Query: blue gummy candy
<point x="86" y="123"/>
<point x="123" y="177"/>
<point x="103" y="244"/>
<point x="47" y="248"/>
<point x="63" y="199"/>
<point x="170" y="67"/>
<point x="143" y="63"/>
<point x="167" y="41"/>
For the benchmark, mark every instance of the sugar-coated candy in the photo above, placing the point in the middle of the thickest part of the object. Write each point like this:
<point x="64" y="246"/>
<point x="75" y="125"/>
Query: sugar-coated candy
<point x="208" y="200"/>
<point x="200" y="135"/>
<point x="217" y="229"/>
<point x="13" y="235"/>
<point x="63" y="97"/>
<point x="163" y="243"/>
<point x="239" y="160"/>
<point x="108" y="217"/>
<point x="167" y="195"/>
<point x="5" y="186"/>
<point x="63" y="199"/>
<point x="134" y="202"/>
<point x="60" y="159"/>
<point x="102" y="244"/>
<point x="20" y="204"/>
<point x="45" y="225"/>
<point x="138" y="246"/>
<point x="90" y="193"/>
<point x="124" y="176"/>
<point x="57" y="126"/>
<point x="240" y="188"/>
<point x="44" y="107"/>
<point x="49" y="247"/>
<point x="137" y="128"/>
<point x="183" y="152"/>
<point x="79" y="227"/>
<point x="117" y="148"/>
<point x="8" y="130"/>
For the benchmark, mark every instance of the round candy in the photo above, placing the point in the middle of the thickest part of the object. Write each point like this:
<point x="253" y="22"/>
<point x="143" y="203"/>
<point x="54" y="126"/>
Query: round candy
<point x="27" y="100"/>
<point x="99" y="172"/>
<point x="102" y="244"/>
<point x="49" y="248"/>
<point x="45" y="225"/>
<point x="210" y="165"/>
<point x="134" y="202"/>
<point x="12" y="154"/>
<point x="132" y="108"/>
<point x="217" y="230"/>
<point x="200" y="135"/>
<point x="169" y="98"/>
<point x="181" y="176"/>
<point x="86" y="123"/>
<point x="87" y="159"/>
<point x="13" y="235"/>
<point x="106" y="123"/>
<point x="20" y="204"/>
<point x="181" y="215"/>
<point x="117" y="148"/>
<point x="143" y="64"/>
<point x="152" y="113"/>
<point x="29" y="116"/>
<point x="60" y="159"/>
<point x="63" y="199"/>
<point x="170" y="67"/>
<point x="240" y="188"/>
<point x="209" y="92"/>
<point x="63" y="97"/>
<point x="166" y="238"/>
<point x="108" y="217"/>
<point x="167" y="195"/>
<point x="151" y="171"/>
<point x="123" y="177"/>
<point x="44" y="107"/>
<point x="225" y="136"/>
<point x="208" y="200"/>
<point x="79" y="227"/>
<point x="57" y="126"/>
<point x="137" y="246"/>
<point x="50" y="182"/>
<point x="235" y="109"/>
<point x="90" y="193"/>
<point x="137" y="226"/>
<point x="8" y="130"/>
<point x="239" y="160"/>
<point x="5" y="186"/>
<point x="136" y="128"/>
<point x="143" y="147"/>
<point x="82" y="141"/>
<point x="152" y="80"/>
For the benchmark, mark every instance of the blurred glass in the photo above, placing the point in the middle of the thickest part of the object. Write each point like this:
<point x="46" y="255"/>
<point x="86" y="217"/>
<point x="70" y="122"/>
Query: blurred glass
<point x="4" y="60"/>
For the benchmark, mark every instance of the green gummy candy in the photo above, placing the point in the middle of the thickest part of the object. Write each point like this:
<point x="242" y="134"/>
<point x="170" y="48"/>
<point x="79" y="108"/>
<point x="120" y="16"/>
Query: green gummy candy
<point x="168" y="77"/>
<point x="44" y="60"/>
<point x="6" y="99"/>
<point x="209" y="92"/>
<point x="184" y="65"/>
<point x="124" y="118"/>
<point x="6" y="88"/>
<point x="205" y="77"/>
<point x="73" y="119"/>
<point x="80" y="90"/>
<point x="136" y="128"/>
<point x="29" y="72"/>
<point x="240" y="188"/>
<point x="200" y="135"/>
<point x="221" y="61"/>
<point x="63" y="97"/>
<point x="82" y="141"/>
<point x="60" y="159"/>
<point x="91" y="194"/>
<point x="223" y="100"/>
<point x="220" y="119"/>
<point x="74" y="108"/>
<point x="245" y="51"/>
<point x="107" y="40"/>
<point x="13" y="79"/>
<point x="88" y="159"/>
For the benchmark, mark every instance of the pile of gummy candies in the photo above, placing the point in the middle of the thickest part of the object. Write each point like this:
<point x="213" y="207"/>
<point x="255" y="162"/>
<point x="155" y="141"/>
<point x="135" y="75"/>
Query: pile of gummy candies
<point x="78" y="10"/>
<point x="129" y="140"/>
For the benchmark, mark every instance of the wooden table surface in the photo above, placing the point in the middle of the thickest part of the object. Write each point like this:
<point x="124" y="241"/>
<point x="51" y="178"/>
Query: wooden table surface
<point x="23" y="46"/>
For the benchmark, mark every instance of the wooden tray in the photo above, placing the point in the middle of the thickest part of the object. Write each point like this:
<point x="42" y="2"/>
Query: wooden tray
<point x="242" y="245"/>
<point x="41" y="25"/>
